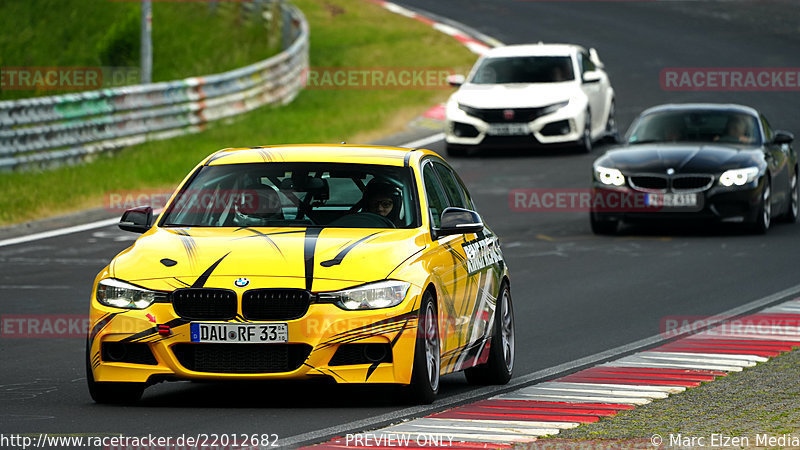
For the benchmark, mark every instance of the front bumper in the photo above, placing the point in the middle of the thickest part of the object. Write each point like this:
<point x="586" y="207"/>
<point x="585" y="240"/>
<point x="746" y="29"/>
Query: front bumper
<point x="717" y="204"/>
<point x="313" y="341"/>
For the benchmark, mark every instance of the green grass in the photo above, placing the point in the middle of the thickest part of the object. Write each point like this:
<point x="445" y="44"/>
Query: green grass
<point x="188" y="37"/>
<point x="344" y="33"/>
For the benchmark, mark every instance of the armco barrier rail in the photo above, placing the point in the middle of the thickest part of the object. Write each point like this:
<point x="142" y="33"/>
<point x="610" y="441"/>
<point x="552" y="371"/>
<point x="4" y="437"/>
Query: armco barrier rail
<point x="45" y="132"/>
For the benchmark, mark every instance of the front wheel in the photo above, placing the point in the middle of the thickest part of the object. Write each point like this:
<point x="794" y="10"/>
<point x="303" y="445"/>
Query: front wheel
<point x="764" y="217"/>
<point x="585" y="144"/>
<point x="113" y="393"/>
<point x="794" y="200"/>
<point x="500" y="365"/>
<point x="426" y="370"/>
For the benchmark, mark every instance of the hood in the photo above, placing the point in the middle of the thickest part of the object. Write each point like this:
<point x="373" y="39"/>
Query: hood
<point x="493" y="96"/>
<point x="684" y="158"/>
<point x="268" y="257"/>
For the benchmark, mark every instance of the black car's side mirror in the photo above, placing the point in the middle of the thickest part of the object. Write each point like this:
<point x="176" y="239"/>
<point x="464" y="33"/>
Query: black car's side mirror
<point x="782" y="137"/>
<point x="137" y="220"/>
<point x="458" y="221"/>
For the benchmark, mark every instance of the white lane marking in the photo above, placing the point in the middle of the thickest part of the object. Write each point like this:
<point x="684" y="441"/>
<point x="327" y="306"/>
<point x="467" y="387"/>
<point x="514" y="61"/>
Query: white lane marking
<point x="424" y="141"/>
<point x="397" y="9"/>
<point x="539" y="390"/>
<point x="749" y="336"/>
<point x="501" y="429"/>
<point x="515" y="423"/>
<point x="655" y="365"/>
<point x="59" y="232"/>
<point x="447" y="29"/>
<point x="573" y="398"/>
<point x="719" y="356"/>
<point x="469" y="437"/>
<point x="477" y="48"/>
<point x="669" y="358"/>
<point x="626" y="387"/>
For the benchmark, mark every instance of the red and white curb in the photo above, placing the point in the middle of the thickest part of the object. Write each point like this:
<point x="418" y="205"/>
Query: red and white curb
<point x="601" y="391"/>
<point x="474" y="45"/>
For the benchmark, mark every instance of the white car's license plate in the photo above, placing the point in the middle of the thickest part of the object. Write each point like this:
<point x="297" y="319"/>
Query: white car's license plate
<point x="509" y="129"/>
<point x="239" y="333"/>
<point x="672" y="200"/>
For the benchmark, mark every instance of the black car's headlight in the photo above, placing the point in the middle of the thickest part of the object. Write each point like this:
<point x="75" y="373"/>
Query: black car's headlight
<point x="609" y="176"/>
<point x="119" y="294"/>
<point x="738" y="177"/>
<point x="383" y="294"/>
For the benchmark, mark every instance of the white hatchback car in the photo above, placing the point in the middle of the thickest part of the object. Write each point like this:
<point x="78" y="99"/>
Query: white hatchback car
<point x="527" y="96"/>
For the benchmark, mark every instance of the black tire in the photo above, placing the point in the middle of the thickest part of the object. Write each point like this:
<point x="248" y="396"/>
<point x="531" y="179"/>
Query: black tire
<point x="790" y="216"/>
<point x="603" y="227"/>
<point x="455" y="151"/>
<point x="612" y="134"/>
<point x="112" y="393"/>
<point x="585" y="143"/>
<point x="500" y="366"/>
<point x="764" y="217"/>
<point x="427" y="354"/>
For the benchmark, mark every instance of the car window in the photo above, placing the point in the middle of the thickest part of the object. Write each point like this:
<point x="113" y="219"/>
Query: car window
<point x="453" y="189"/>
<point x="523" y="69"/>
<point x="767" y="129"/>
<point x="586" y="63"/>
<point x="296" y="194"/>
<point x="721" y="126"/>
<point x="437" y="200"/>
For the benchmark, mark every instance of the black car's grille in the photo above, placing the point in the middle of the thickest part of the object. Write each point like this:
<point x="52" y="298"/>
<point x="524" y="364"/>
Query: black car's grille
<point x="275" y="304"/>
<point x="692" y="182"/>
<point x="507" y="114"/>
<point x="241" y="358"/>
<point x="648" y="182"/>
<point x="204" y="303"/>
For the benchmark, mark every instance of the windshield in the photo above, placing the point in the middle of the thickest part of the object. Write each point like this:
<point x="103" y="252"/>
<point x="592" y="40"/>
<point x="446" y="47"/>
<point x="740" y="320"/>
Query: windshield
<point x="524" y="69"/>
<point x="296" y="194"/>
<point x="696" y="126"/>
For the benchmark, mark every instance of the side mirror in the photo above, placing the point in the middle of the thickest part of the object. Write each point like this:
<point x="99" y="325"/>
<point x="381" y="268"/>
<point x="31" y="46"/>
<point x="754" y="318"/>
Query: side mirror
<point x="137" y="220"/>
<point x="592" y="76"/>
<point x="596" y="58"/>
<point x="456" y="80"/>
<point x="782" y="137"/>
<point x="459" y="221"/>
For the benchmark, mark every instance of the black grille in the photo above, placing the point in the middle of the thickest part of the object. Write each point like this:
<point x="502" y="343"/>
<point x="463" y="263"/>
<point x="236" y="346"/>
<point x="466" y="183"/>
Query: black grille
<point x="204" y="303"/>
<point x="648" y="182"/>
<point x="241" y="358"/>
<point x="349" y="354"/>
<point x="126" y="352"/>
<point x="275" y="304"/>
<point x="559" y="128"/>
<point x="507" y="114"/>
<point x="692" y="182"/>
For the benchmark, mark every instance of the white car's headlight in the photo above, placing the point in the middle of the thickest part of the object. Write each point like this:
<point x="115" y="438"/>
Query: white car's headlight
<point x="609" y="176"/>
<point x="119" y="294"/>
<point x="554" y="107"/>
<point x="383" y="294"/>
<point x="738" y="177"/>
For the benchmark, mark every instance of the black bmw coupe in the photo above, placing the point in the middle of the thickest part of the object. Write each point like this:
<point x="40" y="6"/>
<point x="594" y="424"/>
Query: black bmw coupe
<point x="716" y="162"/>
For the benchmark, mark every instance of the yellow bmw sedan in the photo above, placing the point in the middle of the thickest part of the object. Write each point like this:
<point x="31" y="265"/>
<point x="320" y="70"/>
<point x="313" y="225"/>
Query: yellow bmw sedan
<point x="351" y="263"/>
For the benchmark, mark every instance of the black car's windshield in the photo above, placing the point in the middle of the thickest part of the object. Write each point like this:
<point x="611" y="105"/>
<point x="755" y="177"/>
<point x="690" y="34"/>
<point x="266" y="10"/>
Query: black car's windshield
<point x="696" y="126"/>
<point x="524" y="69"/>
<point x="296" y="194"/>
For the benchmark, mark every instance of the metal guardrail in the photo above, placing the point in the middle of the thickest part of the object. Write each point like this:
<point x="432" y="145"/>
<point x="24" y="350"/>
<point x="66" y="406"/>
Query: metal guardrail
<point x="44" y="132"/>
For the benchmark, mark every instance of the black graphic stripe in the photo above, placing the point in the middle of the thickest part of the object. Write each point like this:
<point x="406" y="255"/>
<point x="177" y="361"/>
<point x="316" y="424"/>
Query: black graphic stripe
<point x="201" y="281"/>
<point x="188" y="244"/>
<point x="312" y="235"/>
<point x="339" y="257"/>
<point x="105" y="320"/>
<point x="389" y="321"/>
<point x="154" y="330"/>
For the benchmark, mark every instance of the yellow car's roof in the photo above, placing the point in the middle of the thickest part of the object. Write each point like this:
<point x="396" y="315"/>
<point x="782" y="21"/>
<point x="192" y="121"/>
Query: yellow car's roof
<point x="353" y="154"/>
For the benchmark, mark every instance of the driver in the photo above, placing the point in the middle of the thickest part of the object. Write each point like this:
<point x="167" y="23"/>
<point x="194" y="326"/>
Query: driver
<point x="383" y="198"/>
<point x="736" y="131"/>
<point x="258" y="206"/>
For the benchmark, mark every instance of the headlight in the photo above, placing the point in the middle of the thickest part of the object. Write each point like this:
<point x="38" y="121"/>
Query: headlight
<point x="609" y="176"/>
<point x="739" y="177"/>
<point x="553" y="108"/>
<point x="469" y="110"/>
<point x="116" y="293"/>
<point x="383" y="294"/>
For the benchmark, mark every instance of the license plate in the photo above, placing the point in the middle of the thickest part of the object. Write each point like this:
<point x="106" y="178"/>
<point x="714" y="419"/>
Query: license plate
<point x="509" y="129"/>
<point x="672" y="200"/>
<point x="236" y="333"/>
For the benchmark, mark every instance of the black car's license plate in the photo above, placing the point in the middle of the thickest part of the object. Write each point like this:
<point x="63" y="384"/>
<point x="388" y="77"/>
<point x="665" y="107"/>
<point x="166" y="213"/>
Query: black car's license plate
<point x="672" y="200"/>
<point x="236" y="333"/>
